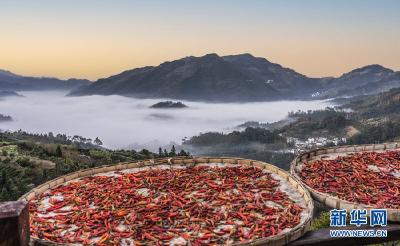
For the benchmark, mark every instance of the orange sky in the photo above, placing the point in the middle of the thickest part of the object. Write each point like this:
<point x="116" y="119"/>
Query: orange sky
<point x="87" y="40"/>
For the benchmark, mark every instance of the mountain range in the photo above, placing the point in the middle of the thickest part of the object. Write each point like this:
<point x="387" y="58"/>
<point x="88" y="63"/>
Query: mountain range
<point x="382" y="104"/>
<point x="238" y="78"/>
<point x="232" y="78"/>
<point x="210" y="78"/>
<point x="10" y="81"/>
<point x="362" y="81"/>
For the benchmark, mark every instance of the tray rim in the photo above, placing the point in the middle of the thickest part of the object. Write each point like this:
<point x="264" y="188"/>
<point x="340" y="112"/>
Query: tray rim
<point x="276" y="240"/>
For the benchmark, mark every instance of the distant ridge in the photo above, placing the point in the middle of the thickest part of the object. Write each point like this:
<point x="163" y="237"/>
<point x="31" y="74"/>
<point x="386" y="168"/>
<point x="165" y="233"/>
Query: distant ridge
<point x="210" y="77"/>
<point x="11" y="81"/>
<point x="237" y="78"/>
<point x="231" y="78"/>
<point x="369" y="79"/>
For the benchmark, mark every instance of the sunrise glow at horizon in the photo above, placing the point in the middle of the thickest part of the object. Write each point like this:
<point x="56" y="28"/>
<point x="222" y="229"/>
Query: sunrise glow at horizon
<point x="96" y="38"/>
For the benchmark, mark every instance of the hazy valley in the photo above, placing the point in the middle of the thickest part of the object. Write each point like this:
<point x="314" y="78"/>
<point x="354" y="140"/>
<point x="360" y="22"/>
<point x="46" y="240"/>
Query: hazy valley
<point x="222" y="101"/>
<point x="124" y="122"/>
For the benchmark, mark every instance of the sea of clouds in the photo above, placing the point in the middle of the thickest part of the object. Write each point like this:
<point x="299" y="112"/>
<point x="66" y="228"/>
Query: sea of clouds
<point x="121" y="121"/>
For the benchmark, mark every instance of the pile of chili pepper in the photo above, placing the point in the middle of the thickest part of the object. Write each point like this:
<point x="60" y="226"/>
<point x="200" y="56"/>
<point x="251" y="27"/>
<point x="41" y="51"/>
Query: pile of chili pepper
<point x="198" y="205"/>
<point x="369" y="178"/>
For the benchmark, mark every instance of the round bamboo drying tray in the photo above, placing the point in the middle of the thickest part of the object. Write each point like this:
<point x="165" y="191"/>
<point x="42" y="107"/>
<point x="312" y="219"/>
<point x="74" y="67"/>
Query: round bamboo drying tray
<point x="332" y="201"/>
<point x="280" y="239"/>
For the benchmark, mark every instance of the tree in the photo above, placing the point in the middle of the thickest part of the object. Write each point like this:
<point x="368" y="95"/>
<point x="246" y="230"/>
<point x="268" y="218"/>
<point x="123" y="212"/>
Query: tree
<point x="173" y="151"/>
<point x="75" y="138"/>
<point x="45" y="174"/>
<point x="59" y="151"/>
<point x="160" y="153"/>
<point x="165" y="153"/>
<point x="98" y="142"/>
<point x="3" y="179"/>
<point x="24" y="162"/>
<point x="4" y="194"/>
<point x="145" y="152"/>
<point x="183" y="153"/>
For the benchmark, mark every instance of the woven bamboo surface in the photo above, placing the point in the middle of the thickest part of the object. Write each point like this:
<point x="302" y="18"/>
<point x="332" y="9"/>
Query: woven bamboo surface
<point x="277" y="240"/>
<point x="332" y="201"/>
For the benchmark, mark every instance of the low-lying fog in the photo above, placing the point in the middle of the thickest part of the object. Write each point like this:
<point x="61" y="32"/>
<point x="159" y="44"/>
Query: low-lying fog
<point x="121" y="121"/>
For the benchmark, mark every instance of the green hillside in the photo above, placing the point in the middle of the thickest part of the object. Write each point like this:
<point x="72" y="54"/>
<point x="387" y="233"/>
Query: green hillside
<point x="27" y="160"/>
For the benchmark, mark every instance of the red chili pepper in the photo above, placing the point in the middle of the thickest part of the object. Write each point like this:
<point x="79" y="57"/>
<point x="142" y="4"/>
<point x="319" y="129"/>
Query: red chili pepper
<point x="368" y="178"/>
<point x="200" y="204"/>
